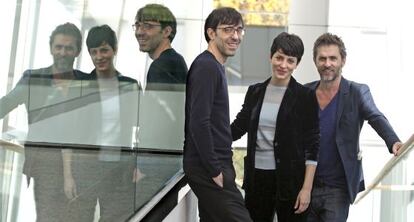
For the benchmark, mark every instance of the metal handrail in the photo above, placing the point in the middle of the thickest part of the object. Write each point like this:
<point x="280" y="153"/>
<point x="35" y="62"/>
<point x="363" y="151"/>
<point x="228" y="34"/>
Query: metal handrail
<point x="407" y="146"/>
<point x="11" y="146"/>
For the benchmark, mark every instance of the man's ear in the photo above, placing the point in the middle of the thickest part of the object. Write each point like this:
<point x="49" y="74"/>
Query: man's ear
<point x="167" y="31"/>
<point x="211" y="33"/>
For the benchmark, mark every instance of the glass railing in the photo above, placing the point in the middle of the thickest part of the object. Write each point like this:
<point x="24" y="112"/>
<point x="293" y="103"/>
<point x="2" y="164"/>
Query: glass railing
<point x="392" y="191"/>
<point x="88" y="150"/>
<point x="84" y="114"/>
<point x="123" y="181"/>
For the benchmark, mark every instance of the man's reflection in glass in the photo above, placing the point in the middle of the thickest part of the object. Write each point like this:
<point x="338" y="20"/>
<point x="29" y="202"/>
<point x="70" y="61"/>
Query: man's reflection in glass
<point x="45" y="93"/>
<point x="155" y="28"/>
<point x="106" y="176"/>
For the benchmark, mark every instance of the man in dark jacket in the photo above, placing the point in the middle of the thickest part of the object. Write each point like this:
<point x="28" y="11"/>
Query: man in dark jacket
<point x="46" y="94"/>
<point x="343" y="107"/>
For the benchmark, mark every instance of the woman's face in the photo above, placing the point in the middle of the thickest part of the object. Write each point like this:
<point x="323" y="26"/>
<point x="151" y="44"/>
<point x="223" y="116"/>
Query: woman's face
<point x="282" y="67"/>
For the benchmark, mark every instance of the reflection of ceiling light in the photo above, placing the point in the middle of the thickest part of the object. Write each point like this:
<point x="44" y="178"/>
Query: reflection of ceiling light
<point x="234" y="72"/>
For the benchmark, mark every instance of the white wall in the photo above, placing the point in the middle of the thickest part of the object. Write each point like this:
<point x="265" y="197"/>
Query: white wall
<point x="308" y="19"/>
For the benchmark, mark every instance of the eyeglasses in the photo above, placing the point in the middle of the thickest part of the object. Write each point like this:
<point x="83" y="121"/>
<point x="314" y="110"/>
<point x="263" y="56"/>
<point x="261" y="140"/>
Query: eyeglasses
<point x="145" y="26"/>
<point x="230" y="30"/>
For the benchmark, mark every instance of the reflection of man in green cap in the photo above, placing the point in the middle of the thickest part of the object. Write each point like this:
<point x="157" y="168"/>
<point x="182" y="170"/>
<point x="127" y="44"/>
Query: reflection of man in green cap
<point x="155" y="28"/>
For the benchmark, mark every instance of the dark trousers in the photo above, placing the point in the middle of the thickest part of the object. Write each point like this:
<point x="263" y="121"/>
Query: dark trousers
<point x="50" y="198"/>
<point x="106" y="181"/>
<point x="45" y="167"/>
<point x="217" y="204"/>
<point x="262" y="202"/>
<point x="328" y="204"/>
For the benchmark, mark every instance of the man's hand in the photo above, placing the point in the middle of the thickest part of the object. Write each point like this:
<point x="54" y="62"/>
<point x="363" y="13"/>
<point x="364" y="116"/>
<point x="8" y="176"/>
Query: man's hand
<point x="219" y="180"/>
<point x="396" y="147"/>
<point x="302" y="201"/>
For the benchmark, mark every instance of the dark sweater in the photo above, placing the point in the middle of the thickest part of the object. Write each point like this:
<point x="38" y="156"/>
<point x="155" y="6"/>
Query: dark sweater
<point x="169" y="67"/>
<point x="207" y="126"/>
<point x="330" y="170"/>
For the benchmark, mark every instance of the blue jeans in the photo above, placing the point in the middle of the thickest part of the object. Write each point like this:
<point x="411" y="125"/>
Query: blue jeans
<point x="328" y="204"/>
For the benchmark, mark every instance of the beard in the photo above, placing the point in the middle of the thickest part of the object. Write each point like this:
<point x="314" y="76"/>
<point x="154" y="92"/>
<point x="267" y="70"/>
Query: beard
<point x="64" y="64"/>
<point x="225" y="51"/>
<point x="330" y="78"/>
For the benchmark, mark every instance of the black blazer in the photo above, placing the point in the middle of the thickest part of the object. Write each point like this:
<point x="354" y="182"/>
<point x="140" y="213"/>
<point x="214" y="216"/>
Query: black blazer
<point x="355" y="105"/>
<point x="296" y="139"/>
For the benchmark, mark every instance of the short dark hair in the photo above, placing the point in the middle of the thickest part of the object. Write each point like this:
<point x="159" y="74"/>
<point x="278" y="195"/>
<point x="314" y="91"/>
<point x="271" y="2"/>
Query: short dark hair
<point x="224" y="15"/>
<point x="70" y="30"/>
<point x="158" y="13"/>
<point x="329" y="39"/>
<point x="290" y="44"/>
<point x="99" y="35"/>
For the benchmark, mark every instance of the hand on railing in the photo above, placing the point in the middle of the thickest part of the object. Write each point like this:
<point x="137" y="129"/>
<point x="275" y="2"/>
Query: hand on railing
<point x="396" y="148"/>
<point x="399" y="150"/>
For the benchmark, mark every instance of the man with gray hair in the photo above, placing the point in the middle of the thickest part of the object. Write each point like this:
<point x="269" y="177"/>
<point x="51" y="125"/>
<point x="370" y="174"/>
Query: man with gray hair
<point x="46" y="93"/>
<point x="344" y="105"/>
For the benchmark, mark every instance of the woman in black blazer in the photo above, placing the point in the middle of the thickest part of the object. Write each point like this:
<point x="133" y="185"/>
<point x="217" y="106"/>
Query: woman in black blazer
<point x="281" y="119"/>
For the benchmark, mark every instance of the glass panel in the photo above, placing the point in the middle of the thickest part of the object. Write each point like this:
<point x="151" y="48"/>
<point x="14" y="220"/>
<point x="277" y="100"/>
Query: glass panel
<point x="123" y="182"/>
<point x="394" y="186"/>
<point x="251" y="63"/>
<point x="60" y="106"/>
<point x="92" y="128"/>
